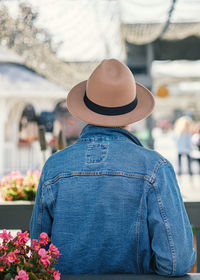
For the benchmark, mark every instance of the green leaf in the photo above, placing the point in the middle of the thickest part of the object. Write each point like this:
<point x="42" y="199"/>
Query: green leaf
<point x="32" y="276"/>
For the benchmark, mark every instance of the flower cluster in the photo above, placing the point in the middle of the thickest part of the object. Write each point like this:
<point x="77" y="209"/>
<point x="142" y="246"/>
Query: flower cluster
<point x="19" y="261"/>
<point x="14" y="186"/>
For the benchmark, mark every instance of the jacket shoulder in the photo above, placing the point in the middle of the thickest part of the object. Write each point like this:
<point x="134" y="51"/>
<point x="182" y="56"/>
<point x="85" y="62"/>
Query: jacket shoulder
<point x="58" y="162"/>
<point x="151" y="155"/>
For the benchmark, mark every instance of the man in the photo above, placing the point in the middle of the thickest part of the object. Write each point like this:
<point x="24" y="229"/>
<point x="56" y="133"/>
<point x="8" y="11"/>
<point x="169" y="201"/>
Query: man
<point x="109" y="204"/>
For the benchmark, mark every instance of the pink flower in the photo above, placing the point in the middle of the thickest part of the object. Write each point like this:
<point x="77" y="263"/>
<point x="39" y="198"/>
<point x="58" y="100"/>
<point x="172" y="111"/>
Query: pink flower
<point x="44" y="236"/>
<point x="16" y="251"/>
<point x="44" y="257"/>
<point x="3" y="258"/>
<point x="51" y="271"/>
<point x="53" y="250"/>
<point x="22" y="275"/>
<point x="23" y="237"/>
<point x="43" y="253"/>
<point x="14" y="185"/>
<point x="37" y="173"/>
<point x="42" y="242"/>
<point x="56" y="275"/>
<point x="29" y="173"/>
<point x="35" y="245"/>
<point x="6" y="236"/>
<point x="8" y="197"/>
<point x="45" y="261"/>
<point x="21" y="194"/>
<point x="11" y="257"/>
<point x="34" y="241"/>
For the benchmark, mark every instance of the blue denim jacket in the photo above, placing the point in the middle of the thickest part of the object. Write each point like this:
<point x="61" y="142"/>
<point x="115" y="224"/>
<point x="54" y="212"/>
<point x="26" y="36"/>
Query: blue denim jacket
<point x="113" y="206"/>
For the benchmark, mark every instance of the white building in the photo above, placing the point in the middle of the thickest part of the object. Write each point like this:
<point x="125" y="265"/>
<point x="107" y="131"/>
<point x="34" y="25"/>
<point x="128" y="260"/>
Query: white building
<point x="19" y="87"/>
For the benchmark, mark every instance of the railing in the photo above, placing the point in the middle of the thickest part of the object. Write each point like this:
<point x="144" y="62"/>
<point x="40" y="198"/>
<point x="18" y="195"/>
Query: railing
<point x="193" y="276"/>
<point x="193" y="211"/>
<point x="16" y="215"/>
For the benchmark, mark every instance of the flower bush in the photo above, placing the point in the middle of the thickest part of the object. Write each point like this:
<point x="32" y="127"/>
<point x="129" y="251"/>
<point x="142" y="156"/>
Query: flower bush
<point x="14" y="186"/>
<point x="19" y="261"/>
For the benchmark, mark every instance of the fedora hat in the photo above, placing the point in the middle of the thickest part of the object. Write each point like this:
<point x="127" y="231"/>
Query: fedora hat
<point x="110" y="97"/>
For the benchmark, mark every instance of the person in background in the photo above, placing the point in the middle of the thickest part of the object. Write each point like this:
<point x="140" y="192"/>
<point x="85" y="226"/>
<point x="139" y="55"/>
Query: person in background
<point x="109" y="204"/>
<point x="196" y="143"/>
<point x="183" y="138"/>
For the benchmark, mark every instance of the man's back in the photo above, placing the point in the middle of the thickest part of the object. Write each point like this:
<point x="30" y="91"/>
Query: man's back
<point x="108" y="205"/>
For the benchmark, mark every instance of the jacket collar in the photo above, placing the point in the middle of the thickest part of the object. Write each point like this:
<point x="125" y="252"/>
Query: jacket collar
<point x="93" y="131"/>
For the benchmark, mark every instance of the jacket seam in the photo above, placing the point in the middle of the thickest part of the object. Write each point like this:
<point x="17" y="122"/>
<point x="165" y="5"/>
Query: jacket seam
<point x="41" y="210"/>
<point x="97" y="173"/>
<point x="138" y="228"/>
<point x="51" y="196"/>
<point x="138" y="235"/>
<point x="167" y="228"/>
<point x="100" y="139"/>
<point x="156" y="167"/>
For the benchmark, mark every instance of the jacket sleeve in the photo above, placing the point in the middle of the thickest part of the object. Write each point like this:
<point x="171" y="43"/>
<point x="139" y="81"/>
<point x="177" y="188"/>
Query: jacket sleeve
<point x="41" y="220"/>
<point x="170" y="231"/>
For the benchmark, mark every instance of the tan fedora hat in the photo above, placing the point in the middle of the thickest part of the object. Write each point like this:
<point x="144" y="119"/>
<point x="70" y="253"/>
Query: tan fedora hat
<point x="110" y="97"/>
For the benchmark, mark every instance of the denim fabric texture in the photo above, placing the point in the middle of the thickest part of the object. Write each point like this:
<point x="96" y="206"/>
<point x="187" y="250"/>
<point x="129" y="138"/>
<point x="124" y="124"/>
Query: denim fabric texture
<point x="113" y="206"/>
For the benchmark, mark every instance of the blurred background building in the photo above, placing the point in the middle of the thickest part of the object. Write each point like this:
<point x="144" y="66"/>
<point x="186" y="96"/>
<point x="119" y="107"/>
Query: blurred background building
<point x="46" y="47"/>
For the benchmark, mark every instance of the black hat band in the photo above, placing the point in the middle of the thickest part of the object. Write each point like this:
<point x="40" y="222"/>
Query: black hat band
<point x="110" y="111"/>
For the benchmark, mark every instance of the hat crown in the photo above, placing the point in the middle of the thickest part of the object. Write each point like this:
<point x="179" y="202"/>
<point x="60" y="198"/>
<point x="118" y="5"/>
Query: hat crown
<point x="108" y="97"/>
<point x="111" y="84"/>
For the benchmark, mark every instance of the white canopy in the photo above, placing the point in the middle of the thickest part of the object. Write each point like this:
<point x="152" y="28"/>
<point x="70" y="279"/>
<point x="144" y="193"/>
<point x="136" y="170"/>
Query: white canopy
<point x="90" y="30"/>
<point x="20" y="82"/>
<point x="181" y="76"/>
<point x="178" y="69"/>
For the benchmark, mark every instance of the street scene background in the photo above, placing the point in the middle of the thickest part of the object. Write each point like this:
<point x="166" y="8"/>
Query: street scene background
<point x="44" y="52"/>
<point x="47" y="47"/>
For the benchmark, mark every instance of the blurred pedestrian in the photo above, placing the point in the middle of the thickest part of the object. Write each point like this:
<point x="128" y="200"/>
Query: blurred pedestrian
<point x="109" y="204"/>
<point x="196" y="137"/>
<point x="183" y="138"/>
<point x="196" y="143"/>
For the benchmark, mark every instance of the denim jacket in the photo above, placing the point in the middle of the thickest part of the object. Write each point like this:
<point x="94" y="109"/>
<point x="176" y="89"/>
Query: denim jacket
<point x="113" y="206"/>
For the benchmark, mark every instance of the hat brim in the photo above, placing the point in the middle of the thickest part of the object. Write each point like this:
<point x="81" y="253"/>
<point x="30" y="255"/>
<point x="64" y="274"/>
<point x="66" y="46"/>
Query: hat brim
<point x="78" y="109"/>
